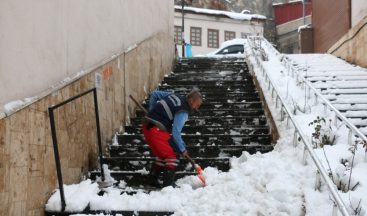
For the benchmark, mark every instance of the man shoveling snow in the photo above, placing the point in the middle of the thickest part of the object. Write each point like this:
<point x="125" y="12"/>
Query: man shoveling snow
<point x="162" y="128"/>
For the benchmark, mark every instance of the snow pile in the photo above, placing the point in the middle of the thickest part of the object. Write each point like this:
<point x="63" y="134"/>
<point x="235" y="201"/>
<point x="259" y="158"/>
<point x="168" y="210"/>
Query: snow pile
<point x="77" y="196"/>
<point x="233" y="15"/>
<point x="260" y="184"/>
<point x="300" y="28"/>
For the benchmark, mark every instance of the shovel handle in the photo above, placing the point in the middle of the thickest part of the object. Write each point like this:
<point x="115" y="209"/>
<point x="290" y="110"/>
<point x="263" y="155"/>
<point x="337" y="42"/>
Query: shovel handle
<point x="138" y="104"/>
<point x="191" y="160"/>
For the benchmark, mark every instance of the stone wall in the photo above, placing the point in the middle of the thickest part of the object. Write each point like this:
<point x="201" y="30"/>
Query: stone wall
<point x="352" y="47"/>
<point x="68" y="36"/>
<point x="27" y="164"/>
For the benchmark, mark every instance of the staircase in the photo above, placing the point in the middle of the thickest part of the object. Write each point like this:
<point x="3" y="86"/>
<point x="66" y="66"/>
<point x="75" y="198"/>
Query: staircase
<point x="231" y="120"/>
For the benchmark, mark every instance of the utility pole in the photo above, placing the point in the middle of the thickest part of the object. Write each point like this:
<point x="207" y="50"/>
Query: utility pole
<point x="183" y="28"/>
<point x="304" y="12"/>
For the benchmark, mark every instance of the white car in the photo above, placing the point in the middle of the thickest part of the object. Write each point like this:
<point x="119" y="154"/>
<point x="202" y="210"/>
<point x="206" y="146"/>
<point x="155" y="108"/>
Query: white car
<point x="231" y="47"/>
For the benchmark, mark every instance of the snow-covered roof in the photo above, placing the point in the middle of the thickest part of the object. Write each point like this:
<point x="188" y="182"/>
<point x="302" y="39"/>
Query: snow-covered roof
<point x="232" y="15"/>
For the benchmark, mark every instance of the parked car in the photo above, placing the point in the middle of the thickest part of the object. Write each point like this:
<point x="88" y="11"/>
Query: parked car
<point x="231" y="47"/>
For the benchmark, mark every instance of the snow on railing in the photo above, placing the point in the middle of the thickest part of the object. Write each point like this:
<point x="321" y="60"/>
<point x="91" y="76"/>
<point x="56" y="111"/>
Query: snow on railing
<point x="285" y="112"/>
<point x="353" y="130"/>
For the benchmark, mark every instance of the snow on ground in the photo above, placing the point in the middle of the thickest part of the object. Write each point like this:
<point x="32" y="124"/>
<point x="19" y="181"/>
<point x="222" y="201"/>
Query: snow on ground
<point x="275" y="183"/>
<point x="260" y="184"/>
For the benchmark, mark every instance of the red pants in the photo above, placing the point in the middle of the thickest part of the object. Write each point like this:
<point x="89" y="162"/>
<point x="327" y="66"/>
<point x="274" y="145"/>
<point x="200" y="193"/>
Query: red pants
<point x="158" y="141"/>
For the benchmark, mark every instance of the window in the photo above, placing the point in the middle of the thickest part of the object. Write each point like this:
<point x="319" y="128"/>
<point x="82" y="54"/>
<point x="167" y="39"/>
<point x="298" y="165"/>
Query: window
<point x="229" y="35"/>
<point x="213" y="38"/>
<point x="178" y="34"/>
<point x="233" y="49"/>
<point x="244" y="35"/>
<point x="195" y="36"/>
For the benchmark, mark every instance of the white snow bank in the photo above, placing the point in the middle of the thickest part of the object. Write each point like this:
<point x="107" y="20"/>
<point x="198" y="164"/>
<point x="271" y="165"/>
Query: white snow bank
<point x="233" y="15"/>
<point x="260" y="184"/>
<point x="77" y="196"/>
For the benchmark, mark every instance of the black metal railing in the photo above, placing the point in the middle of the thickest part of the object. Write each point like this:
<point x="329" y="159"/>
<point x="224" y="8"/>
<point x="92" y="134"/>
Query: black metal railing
<point x="55" y="145"/>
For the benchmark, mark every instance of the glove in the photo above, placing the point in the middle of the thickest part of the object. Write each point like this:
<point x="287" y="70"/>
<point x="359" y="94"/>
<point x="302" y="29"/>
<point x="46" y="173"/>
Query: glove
<point x="185" y="154"/>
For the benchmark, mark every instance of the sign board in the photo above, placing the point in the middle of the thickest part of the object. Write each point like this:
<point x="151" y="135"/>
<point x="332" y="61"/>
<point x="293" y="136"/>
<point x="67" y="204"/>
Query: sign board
<point x="98" y="80"/>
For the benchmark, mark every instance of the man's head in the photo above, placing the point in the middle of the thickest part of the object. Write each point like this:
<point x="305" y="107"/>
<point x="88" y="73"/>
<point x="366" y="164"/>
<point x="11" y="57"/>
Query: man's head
<point x="195" y="99"/>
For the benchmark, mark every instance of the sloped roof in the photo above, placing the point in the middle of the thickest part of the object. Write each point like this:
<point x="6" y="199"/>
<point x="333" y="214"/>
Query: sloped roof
<point x="232" y="15"/>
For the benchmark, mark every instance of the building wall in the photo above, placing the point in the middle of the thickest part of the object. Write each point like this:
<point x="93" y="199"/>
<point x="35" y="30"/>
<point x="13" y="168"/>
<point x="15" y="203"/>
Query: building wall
<point x="286" y="12"/>
<point x="330" y="21"/>
<point x="211" y="22"/>
<point x="43" y="42"/>
<point x="352" y="47"/>
<point x="288" y="35"/>
<point x="359" y="11"/>
<point x="27" y="164"/>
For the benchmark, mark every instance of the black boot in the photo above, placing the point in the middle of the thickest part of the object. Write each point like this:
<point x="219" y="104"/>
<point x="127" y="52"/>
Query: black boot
<point x="153" y="177"/>
<point x="169" y="177"/>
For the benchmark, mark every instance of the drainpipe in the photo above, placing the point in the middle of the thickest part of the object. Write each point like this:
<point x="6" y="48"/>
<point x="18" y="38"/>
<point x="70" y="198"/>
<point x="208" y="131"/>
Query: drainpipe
<point x="183" y="29"/>
<point x="304" y="12"/>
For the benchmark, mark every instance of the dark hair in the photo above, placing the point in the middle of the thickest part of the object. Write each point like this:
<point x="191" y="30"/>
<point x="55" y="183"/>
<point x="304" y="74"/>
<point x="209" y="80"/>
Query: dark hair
<point x="194" y="94"/>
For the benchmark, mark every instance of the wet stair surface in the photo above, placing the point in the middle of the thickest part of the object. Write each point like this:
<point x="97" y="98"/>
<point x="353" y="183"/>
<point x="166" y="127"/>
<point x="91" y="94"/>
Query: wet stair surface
<point x="231" y="120"/>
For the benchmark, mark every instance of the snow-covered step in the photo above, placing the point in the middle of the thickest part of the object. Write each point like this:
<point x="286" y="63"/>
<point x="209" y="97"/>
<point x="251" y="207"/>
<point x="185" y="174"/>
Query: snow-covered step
<point x="348" y="106"/>
<point x="220" y="112"/>
<point x="210" y="150"/>
<point x="204" y="129"/>
<point x="206" y="139"/>
<point x="345" y="85"/>
<point x="338" y="91"/>
<point x="139" y="163"/>
<point x="340" y="84"/>
<point x="231" y="120"/>
<point x="336" y="78"/>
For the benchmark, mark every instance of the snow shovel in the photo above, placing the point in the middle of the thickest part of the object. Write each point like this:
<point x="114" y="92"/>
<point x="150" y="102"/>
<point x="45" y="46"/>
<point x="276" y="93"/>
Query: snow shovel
<point x="198" y="169"/>
<point x="195" y="165"/>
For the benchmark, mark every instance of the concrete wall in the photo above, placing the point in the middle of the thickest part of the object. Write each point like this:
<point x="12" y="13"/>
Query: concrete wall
<point x="43" y="42"/>
<point x="288" y="35"/>
<point x="330" y="21"/>
<point x="352" y="47"/>
<point x="27" y="164"/>
<point x="359" y="11"/>
<point x="212" y="22"/>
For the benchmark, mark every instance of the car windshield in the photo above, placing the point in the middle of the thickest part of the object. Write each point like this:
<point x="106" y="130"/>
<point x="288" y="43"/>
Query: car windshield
<point x="234" y="49"/>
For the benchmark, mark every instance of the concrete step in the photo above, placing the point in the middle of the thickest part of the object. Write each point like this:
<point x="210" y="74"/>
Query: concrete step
<point x="224" y="121"/>
<point x="203" y="129"/>
<point x="205" y="139"/>
<point x="144" y="163"/>
<point x="220" y="113"/>
<point x="140" y="150"/>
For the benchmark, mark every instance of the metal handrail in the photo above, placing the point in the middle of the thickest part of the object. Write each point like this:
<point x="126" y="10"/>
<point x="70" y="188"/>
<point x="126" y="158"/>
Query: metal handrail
<point x="284" y="108"/>
<point x="326" y="102"/>
<point x="55" y="144"/>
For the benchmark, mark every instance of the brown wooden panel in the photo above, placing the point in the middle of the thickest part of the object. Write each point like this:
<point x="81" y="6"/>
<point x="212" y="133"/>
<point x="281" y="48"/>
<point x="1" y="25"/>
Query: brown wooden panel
<point x="330" y="21"/>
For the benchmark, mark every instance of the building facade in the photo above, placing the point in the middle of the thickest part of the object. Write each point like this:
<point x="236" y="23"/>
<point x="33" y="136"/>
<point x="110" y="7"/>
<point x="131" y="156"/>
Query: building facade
<point x="332" y="19"/>
<point x="207" y="29"/>
<point x="288" y="18"/>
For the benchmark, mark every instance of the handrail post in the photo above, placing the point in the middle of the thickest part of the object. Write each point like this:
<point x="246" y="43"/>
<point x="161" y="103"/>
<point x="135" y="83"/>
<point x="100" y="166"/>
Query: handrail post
<point x="57" y="158"/>
<point x="98" y="132"/>
<point x="55" y="144"/>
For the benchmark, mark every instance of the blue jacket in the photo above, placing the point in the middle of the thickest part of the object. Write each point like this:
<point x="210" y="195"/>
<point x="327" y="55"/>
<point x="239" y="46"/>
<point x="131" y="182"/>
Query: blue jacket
<point x="172" y="111"/>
